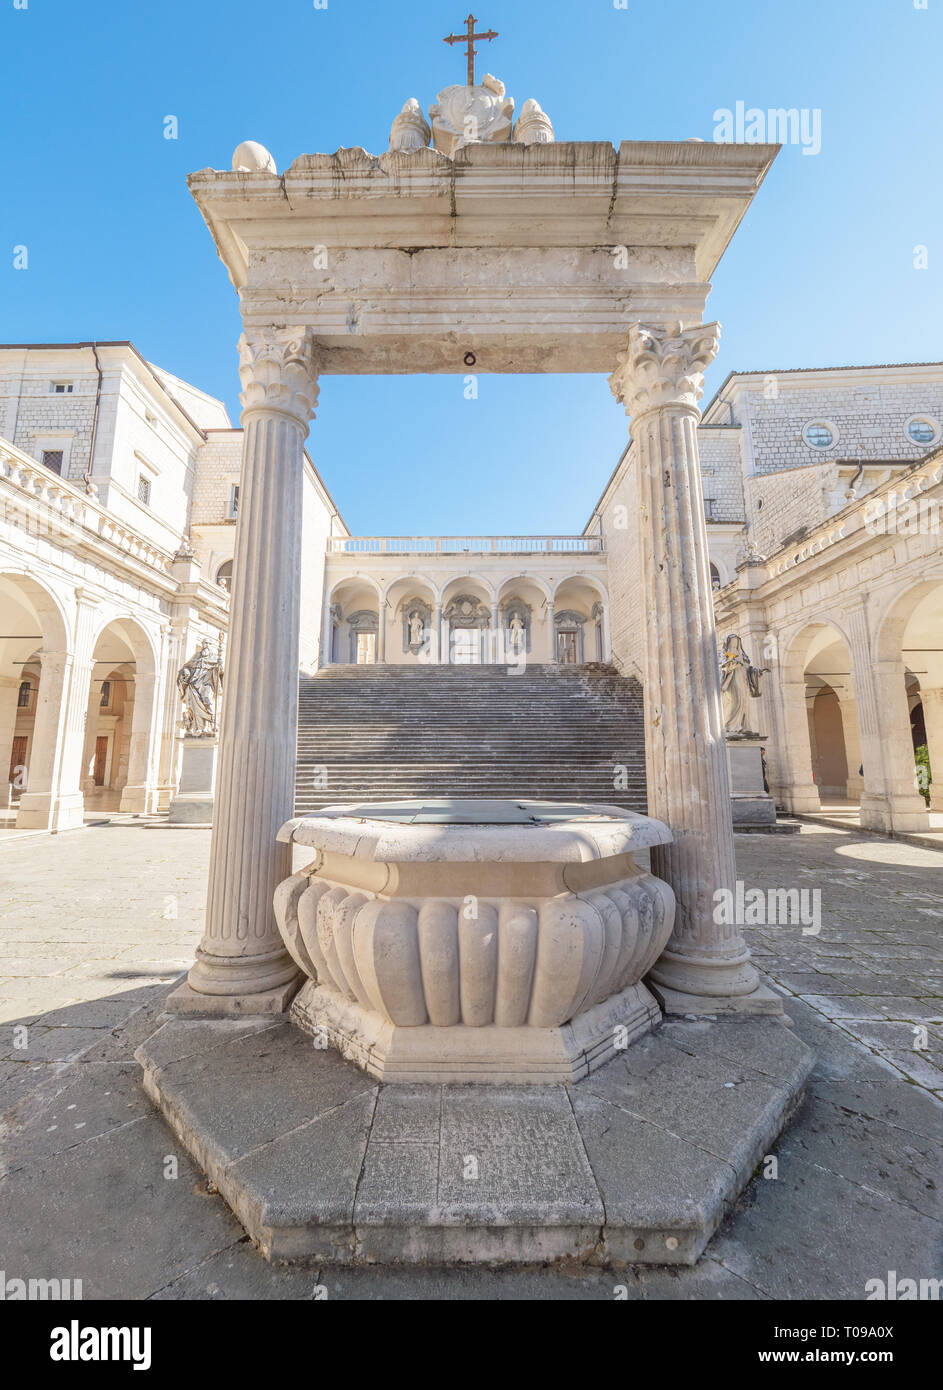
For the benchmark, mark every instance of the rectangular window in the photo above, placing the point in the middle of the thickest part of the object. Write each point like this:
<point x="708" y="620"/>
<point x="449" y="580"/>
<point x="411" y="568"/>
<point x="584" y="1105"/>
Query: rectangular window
<point x="61" y="388"/>
<point x="52" y="459"/>
<point x="22" y="699"/>
<point x="234" y="501"/>
<point x="709" y="508"/>
<point x="144" y="490"/>
<point x="105" y="700"/>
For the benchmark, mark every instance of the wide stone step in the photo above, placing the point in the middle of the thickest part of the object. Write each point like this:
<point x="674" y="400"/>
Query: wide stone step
<point x="377" y="733"/>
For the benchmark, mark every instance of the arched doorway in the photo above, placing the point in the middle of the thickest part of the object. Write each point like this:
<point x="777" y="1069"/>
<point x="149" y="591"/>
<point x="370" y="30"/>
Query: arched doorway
<point x="467" y="620"/>
<point x="580" y="622"/>
<point x="353" y="632"/>
<point x="412" y="615"/>
<point x="35" y="668"/>
<point x="117" y="771"/>
<point x="910" y="644"/>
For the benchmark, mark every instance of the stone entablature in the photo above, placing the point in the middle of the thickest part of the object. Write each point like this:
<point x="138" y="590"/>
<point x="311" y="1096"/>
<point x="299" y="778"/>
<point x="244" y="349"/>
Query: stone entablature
<point x="590" y="237"/>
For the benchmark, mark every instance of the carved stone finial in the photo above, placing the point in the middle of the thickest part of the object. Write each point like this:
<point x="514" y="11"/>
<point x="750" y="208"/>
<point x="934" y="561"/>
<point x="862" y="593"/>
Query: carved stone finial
<point x="533" y="125"/>
<point x="410" y="130"/>
<point x="471" y="116"/>
<point x="278" y="371"/>
<point x="664" y="366"/>
<point x="252" y="158"/>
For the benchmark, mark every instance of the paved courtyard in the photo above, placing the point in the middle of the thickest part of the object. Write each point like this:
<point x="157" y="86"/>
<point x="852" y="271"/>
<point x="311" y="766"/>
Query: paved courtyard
<point x="97" y="923"/>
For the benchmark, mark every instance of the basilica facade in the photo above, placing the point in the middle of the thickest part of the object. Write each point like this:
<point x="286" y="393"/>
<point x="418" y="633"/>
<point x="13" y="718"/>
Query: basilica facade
<point x="119" y="486"/>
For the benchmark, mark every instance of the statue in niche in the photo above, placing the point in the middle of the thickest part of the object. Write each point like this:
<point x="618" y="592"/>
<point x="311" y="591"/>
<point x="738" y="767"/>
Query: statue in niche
<point x="739" y="683"/>
<point x="417" y="629"/>
<point x="517" y="630"/>
<point x="199" y="683"/>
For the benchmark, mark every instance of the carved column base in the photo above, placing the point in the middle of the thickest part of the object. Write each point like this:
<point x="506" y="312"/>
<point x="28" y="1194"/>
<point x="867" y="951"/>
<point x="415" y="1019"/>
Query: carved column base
<point x="219" y="986"/>
<point x="674" y="1003"/>
<point x="265" y="1003"/>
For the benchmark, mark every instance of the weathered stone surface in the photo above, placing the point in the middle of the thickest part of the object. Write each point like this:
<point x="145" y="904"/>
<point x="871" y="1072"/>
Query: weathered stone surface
<point x="320" y="1164"/>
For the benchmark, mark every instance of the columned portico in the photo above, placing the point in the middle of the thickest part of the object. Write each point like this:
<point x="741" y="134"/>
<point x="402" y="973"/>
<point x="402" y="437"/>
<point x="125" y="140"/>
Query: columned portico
<point x="659" y="380"/>
<point x="564" y="302"/>
<point x="242" y="965"/>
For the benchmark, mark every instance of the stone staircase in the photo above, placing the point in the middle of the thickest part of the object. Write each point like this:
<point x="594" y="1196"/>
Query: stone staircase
<point x="549" y="733"/>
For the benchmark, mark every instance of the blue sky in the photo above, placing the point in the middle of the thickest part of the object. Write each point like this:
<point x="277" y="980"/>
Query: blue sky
<point x="820" y="273"/>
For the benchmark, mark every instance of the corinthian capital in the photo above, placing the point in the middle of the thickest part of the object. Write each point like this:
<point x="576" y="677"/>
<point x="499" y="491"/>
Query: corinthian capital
<point x="278" y="371"/>
<point x="664" y="366"/>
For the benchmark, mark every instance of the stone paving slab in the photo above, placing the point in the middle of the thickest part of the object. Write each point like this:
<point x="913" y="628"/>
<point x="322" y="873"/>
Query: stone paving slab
<point x="828" y="1222"/>
<point x="476" y="1174"/>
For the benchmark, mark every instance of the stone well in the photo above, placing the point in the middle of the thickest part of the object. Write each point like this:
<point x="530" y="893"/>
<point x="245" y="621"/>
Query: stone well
<point x="475" y="941"/>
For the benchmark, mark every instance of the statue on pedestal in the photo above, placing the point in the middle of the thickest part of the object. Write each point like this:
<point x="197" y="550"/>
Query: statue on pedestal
<point x="417" y="629"/>
<point x="199" y="683"/>
<point x="739" y="683"/>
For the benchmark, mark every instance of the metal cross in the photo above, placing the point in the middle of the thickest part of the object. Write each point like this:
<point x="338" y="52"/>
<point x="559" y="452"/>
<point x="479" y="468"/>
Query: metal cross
<point x="470" y="38"/>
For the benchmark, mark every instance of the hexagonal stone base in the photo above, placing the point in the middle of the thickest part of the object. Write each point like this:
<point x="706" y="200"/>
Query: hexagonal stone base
<point x="535" y="1056"/>
<point x="636" y="1164"/>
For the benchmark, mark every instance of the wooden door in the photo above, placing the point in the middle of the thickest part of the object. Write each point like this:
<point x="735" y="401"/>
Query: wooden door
<point x="18" y="759"/>
<point x="101" y="756"/>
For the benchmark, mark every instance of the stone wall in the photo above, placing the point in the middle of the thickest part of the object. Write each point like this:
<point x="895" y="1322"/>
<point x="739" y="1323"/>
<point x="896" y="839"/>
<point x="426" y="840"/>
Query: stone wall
<point x="868" y="410"/>
<point x="783" y="504"/>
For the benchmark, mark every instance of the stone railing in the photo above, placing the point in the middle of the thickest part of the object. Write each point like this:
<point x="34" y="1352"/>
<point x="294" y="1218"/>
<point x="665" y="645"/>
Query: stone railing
<point x="44" y="504"/>
<point x="464" y="545"/>
<point x="865" y="516"/>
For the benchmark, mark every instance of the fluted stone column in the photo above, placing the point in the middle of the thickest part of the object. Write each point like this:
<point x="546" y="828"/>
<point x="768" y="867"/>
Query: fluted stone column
<point x="659" y="380"/>
<point x="242" y="965"/>
<point x="552" y="628"/>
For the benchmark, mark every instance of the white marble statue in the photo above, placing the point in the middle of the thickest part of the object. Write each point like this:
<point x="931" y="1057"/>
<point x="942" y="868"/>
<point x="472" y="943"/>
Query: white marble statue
<point x="416" y="629"/>
<point x="410" y="129"/>
<point x="739" y="684"/>
<point x="533" y="125"/>
<point x="464" y="115"/>
<point x="199" y="683"/>
<point x="516" y="630"/>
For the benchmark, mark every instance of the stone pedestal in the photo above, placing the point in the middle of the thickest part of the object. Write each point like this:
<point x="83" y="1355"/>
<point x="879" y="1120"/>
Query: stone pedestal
<point x="751" y="805"/>
<point x="193" y="803"/>
<point x="475" y="941"/>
